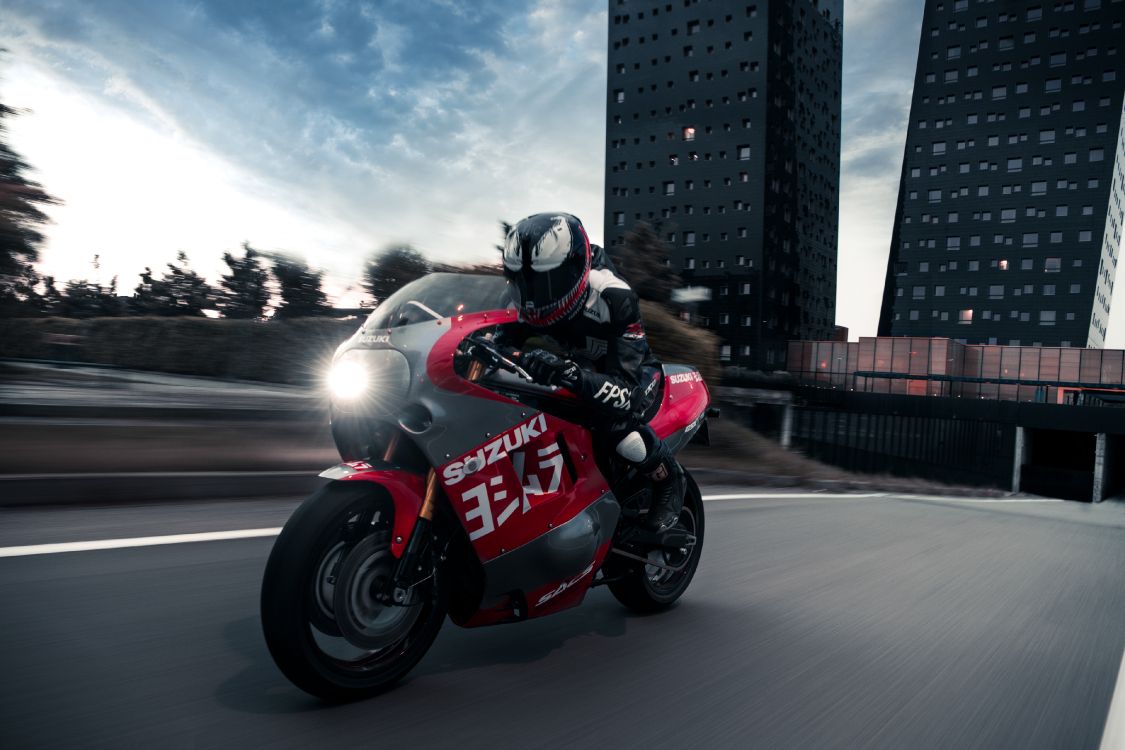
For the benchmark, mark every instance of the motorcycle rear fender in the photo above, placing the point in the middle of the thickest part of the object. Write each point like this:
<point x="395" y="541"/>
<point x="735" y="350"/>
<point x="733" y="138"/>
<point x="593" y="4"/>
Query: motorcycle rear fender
<point x="405" y="489"/>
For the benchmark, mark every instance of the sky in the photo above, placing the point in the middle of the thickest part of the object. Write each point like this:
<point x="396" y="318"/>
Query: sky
<point x="331" y="129"/>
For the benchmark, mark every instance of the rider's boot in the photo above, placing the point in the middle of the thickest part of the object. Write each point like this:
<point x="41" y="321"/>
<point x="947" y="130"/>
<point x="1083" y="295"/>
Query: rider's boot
<point x="651" y="456"/>
<point x="667" y="490"/>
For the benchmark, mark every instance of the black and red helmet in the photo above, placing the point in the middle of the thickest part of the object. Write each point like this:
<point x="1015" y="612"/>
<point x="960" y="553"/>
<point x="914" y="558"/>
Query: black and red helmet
<point x="547" y="259"/>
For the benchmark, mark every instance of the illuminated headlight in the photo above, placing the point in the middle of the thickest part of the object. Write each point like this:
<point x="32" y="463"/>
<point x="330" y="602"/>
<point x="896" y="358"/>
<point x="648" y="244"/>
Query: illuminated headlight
<point x="348" y="379"/>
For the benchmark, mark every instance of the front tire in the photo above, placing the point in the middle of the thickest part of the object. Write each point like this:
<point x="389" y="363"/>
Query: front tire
<point x="335" y="644"/>
<point x="648" y="588"/>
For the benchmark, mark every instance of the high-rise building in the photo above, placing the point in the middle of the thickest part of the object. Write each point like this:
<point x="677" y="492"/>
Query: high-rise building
<point x="1009" y="218"/>
<point x="723" y="132"/>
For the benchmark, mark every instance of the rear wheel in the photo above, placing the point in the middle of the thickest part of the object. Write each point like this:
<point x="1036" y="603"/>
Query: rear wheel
<point x="324" y="621"/>
<point x="657" y="585"/>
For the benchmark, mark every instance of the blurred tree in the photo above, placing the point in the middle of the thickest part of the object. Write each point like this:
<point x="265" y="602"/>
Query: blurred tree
<point x="50" y="300"/>
<point x="87" y="299"/>
<point x="643" y="261"/>
<point x="244" y="291"/>
<point x="20" y="217"/>
<point x="181" y="291"/>
<point x="393" y="268"/>
<point x="505" y="230"/>
<point x="300" y="288"/>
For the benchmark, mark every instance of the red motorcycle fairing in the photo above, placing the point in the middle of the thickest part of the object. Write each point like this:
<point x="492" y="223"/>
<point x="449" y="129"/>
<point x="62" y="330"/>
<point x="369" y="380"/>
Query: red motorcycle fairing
<point x="683" y="407"/>
<point x="536" y="508"/>
<point x="406" y="491"/>
<point x="519" y="485"/>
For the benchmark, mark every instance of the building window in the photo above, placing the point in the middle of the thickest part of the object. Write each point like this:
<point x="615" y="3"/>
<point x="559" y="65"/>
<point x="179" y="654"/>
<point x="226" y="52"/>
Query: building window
<point x="938" y="148"/>
<point x="619" y="95"/>
<point x="1031" y="239"/>
<point x="669" y="188"/>
<point x="1039" y="187"/>
<point x="689" y="239"/>
<point x="996" y="291"/>
<point x="689" y="133"/>
<point x="619" y="219"/>
<point x="965" y="317"/>
<point x="1046" y="317"/>
<point x="743" y="153"/>
<point x="1097" y="154"/>
<point x="689" y="264"/>
<point x="1052" y="265"/>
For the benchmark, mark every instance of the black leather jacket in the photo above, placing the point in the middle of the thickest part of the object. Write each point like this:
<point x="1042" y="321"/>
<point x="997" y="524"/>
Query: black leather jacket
<point x="606" y="337"/>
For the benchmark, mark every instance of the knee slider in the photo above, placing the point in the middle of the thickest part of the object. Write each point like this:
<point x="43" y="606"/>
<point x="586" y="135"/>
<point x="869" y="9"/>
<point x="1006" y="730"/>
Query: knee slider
<point x="633" y="448"/>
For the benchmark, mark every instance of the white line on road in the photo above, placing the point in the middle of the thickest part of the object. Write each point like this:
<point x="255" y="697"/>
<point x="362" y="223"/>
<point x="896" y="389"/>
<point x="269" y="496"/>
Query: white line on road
<point x="215" y="536"/>
<point x="1113" y="738"/>
<point x="792" y="495"/>
<point x="144" y="541"/>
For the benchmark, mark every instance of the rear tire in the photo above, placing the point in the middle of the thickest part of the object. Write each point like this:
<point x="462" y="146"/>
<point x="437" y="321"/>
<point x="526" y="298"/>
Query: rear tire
<point x="299" y="598"/>
<point x="650" y="589"/>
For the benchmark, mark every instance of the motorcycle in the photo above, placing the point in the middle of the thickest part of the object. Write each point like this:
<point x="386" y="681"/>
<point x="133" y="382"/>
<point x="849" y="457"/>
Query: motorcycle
<point x="464" y="490"/>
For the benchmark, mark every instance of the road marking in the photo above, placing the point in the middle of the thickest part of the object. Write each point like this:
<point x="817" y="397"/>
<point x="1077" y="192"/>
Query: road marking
<point x="955" y="499"/>
<point x="215" y="536"/>
<point x="1113" y="737"/>
<point x="144" y="541"/>
<point x="791" y="495"/>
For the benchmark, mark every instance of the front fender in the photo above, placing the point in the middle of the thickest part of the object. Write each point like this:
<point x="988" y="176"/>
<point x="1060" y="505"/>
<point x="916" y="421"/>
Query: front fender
<point x="406" y="490"/>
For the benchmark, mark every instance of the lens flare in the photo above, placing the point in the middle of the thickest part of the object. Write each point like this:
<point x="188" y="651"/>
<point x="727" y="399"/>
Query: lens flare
<point x="347" y="380"/>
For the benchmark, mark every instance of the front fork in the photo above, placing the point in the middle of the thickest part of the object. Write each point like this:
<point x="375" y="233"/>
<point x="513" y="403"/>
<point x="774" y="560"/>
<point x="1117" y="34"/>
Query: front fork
<point x="411" y="570"/>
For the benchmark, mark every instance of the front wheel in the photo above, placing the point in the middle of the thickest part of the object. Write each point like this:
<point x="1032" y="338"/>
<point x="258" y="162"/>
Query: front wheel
<point x="324" y="623"/>
<point x="657" y="585"/>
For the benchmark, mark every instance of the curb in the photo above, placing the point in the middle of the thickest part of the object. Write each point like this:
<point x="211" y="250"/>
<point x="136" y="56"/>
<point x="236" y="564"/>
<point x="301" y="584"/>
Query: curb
<point x="227" y="414"/>
<point x="26" y="490"/>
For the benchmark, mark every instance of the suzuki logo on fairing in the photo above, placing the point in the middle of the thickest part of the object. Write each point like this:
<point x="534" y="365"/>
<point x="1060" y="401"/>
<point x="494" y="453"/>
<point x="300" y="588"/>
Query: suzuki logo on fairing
<point x="517" y="437"/>
<point x="685" y="377"/>
<point x="564" y="586"/>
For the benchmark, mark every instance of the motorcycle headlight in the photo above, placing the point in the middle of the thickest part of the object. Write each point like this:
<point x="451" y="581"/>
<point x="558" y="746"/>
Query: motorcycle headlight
<point x="348" y="378"/>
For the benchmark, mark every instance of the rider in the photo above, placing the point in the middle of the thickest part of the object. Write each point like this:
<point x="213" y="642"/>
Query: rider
<point x="578" y="305"/>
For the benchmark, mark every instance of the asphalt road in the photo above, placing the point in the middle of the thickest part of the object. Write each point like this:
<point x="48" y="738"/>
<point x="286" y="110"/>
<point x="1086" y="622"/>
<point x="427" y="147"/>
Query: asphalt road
<point x="813" y="622"/>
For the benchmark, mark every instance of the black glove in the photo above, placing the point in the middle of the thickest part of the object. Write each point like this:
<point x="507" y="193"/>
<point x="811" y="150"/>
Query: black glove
<point x="546" y="368"/>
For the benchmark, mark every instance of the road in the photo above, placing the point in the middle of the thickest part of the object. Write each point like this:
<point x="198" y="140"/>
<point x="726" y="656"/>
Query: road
<point x="813" y="622"/>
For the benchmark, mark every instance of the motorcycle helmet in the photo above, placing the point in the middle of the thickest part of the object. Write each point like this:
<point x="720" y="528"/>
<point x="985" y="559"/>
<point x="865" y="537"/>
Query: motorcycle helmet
<point x="547" y="259"/>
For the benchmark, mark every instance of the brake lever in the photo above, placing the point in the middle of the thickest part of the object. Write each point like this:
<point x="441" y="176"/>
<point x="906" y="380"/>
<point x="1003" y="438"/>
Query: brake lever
<point x="501" y="360"/>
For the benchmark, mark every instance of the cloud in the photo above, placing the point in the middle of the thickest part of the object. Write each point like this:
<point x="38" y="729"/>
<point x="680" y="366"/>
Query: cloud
<point x="880" y="54"/>
<point x="417" y="120"/>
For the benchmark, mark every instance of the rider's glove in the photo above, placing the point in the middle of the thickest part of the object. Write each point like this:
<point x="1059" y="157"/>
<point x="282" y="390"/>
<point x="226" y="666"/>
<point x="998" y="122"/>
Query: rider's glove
<point x="550" y="369"/>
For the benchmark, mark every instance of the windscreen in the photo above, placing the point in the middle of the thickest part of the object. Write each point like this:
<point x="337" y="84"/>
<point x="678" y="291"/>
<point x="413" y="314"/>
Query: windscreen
<point x="441" y="295"/>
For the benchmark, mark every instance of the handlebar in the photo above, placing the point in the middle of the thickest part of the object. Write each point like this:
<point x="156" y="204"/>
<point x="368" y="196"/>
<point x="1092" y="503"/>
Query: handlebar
<point x="491" y="354"/>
